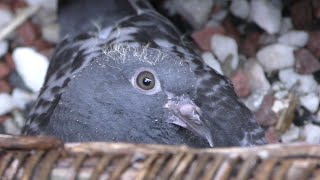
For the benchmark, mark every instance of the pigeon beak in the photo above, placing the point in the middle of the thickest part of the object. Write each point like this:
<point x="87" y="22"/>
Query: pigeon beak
<point x="187" y="115"/>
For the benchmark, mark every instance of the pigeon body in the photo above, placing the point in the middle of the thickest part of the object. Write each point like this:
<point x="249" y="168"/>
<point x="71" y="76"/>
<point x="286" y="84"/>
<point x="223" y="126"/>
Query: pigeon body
<point x="122" y="73"/>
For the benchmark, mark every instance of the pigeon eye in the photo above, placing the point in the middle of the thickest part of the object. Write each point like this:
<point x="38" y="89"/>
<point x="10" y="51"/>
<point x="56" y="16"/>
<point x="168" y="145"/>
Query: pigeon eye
<point x="145" y="80"/>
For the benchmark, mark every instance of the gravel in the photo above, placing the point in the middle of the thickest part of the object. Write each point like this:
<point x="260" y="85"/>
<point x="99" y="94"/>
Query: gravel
<point x="51" y="33"/>
<point x="294" y="38"/>
<point x="201" y="36"/>
<point x="313" y="43"/>
<point x="291" y="135"/>
<point x="241" y="84"/>
<point x="6" y="103"/>
<point x="312" y="133"/>
<point x="257" y="79"/>
<point x="240" y="8"/>
<point x="275" y="57"/>
<point x="253" y="102"/>
<point x="301" y="83"/>
<point x="196" y="12"/>
<point x="266" y="15"/>
<point x="265" y="116"/>
<point x="226" y="49"/>
<point x="305" y="62"/>
<point x="31" y="66"/>
<point x="4" y="46"/>
<point x="286" y="25"/>
<point x="310" y="101"/>
<point x="211" y="61"/>
<point x="21" y="98"/>
<point x="50" y="5"/>
<point x="6" y="16"/>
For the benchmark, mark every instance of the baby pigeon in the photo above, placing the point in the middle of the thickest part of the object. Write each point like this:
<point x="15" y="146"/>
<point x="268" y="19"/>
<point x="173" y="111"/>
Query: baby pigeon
<point x="123" y="74"/>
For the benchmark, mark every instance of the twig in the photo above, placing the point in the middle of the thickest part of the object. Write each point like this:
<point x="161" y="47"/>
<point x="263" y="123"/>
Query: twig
<point x="17" y="21"/>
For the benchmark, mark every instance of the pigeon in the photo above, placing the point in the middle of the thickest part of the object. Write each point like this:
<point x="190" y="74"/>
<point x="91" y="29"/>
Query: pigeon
<point x="122" y="73"/>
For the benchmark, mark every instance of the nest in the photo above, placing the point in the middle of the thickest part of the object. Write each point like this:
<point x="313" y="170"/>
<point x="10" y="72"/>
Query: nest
<point x="48" y="158"/>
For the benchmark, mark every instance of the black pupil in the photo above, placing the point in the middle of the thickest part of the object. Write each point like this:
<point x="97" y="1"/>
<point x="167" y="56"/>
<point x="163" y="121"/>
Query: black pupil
<point x="146" y="81"/>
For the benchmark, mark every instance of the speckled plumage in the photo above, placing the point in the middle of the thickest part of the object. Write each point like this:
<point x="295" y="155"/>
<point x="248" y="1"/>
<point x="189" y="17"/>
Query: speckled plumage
<point x="87" y="95"/>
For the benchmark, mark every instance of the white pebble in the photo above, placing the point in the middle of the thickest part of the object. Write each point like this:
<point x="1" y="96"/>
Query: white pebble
<point x="310" y="101"/>
<point x="257" y="78"/>
<point x="45" y="16"/>
<point x="13" y="125"/>
<point x="288" y="77"/>
<point x="6" y="103"/>
<point x="6" y="17"/>
<point x="10" y="127"/>
<point x="31" y="66"/>
<point x="225" y="47"/>
<point x="254" y="101"/>
<point x="312" y="133"/>
<point x="281" y="94"/>
<point x="294" y="38"/>
<point x="22" y="98"/>
<point x="196" y="12"/>
<point x="51" y="5"/>
<point x="240" y="8"/>
<point x="18" y="118"/>
<point x="275" y="57"/>
<point x="302" y="83"/>
<point x="220" y="16"/>
<point x="291" y="134"/>
<point x="212" y="62"/>
<point x="277" y="86"/>
<point x="266" y="15"/>
<point x="307" y="84"/>
<point x="4" y="46"/>
<point x="213" y="23"/>
<point x="50" y="32"/>
<point x="279" y="105"/>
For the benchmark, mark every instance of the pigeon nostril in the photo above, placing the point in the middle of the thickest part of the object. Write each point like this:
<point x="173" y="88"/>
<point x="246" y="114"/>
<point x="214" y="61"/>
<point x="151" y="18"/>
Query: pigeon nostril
<point x="188" y="110"/>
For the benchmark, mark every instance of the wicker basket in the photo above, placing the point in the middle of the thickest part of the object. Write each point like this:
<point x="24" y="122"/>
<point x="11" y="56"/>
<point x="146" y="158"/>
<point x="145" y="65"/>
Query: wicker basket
<point x="44" y="158"/>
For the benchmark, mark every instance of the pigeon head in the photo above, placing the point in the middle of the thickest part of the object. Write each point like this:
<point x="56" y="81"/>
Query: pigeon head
<point x="140" y="96"/>
<point x="138" y="81"/>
